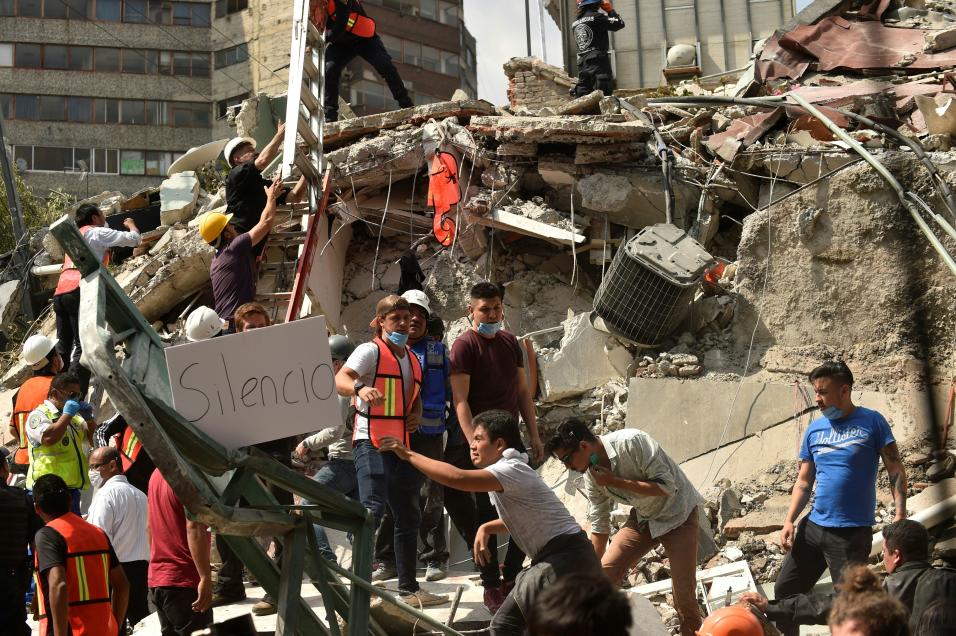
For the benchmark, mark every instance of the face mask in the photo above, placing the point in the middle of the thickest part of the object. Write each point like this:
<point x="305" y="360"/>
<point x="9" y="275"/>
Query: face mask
<point x="397" y="339"/>
<point x="489" y="328"/>
<point x="594" y="459"/>
<point x="95" y="479"/>
<point x="832" y="413"/>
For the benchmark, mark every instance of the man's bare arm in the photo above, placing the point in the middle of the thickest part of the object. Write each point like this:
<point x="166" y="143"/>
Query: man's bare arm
<point x="59" y="600"/>
<point x="460" y="386"/>
<point x="120" y="599"/>
<point x="802" y="489"/>
<point x="897" y="475"/>
<point x="526" y="408"/>
<point x="271" y="149"/>
<point x="197" y="536"/>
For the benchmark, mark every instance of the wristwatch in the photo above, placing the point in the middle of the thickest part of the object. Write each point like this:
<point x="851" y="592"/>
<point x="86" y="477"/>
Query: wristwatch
<point x="358" y="386"/>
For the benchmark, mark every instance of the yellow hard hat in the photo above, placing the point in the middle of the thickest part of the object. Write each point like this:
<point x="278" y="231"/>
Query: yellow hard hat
<point x="213" y="223"/>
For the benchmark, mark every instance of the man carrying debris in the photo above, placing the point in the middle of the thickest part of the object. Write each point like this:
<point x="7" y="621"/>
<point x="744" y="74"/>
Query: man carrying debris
<point x="384" y="379"/>
<point x="591" y="35"/>
<point x="245" y="187"/>
<point x="233" y="271"/>
<point x="350" y="32"/>
<point x="66" y="298"/>
<point x="40" y="353"/>
<point x="429" y="440"/>
<point x="487" y="373"/>
<point x="840" y="452"/>
<point x="629" y="467"/>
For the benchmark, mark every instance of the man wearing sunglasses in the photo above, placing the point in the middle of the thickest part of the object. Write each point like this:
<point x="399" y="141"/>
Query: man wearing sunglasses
<point x="629" y="467"/>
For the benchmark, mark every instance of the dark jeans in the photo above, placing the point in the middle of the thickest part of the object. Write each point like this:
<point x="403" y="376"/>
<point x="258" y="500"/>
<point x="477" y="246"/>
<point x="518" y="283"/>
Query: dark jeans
<point x="138" y="607"/>
<point x="13" y="612"/>
<point x="594" y="73"/>
<point x="470" y="510"/>
<point x="372" y="50"/>
<point x="339" y="475"/>
<point x="816" y="548"/>
<point x="384" y="480"/>
<point x="67" y="309"/>
<point x="176" y="615"/>
<point x="432" y="530"/>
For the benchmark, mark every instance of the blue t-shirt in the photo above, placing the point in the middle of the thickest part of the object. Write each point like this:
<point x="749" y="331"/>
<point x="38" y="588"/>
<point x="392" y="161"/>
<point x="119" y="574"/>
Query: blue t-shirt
<point x="846" y="453"/>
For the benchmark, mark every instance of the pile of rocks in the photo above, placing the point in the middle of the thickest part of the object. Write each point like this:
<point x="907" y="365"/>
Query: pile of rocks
<point x="676" y="365"/>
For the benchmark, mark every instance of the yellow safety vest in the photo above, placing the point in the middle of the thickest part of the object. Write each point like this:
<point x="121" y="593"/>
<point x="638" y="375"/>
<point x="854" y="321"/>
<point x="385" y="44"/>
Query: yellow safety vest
<point x="67" y="458"/>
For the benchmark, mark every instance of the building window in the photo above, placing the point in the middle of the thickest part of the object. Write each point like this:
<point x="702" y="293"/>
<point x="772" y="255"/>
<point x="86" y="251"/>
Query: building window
<point x="428" y="9"/>
<point x="449" y="63"/>
<point x="55" y="159"/>
<point x="225" y="7"/>
<point x="448" y="13"/>
<point x="79" y="109"/>
<point x="109" y="10"/>
<point x="232" y="55"/>
<point x="135" y="11"/>
<point x="223" y="106"/>
<point x="29" y="8"/>
<point x="106" y="60"/>
<point x="132" y="162"/>
<point x="52" y="107"/>
<point x="81" y="58"/>
<point x="134" y="61"/>
<point x="393" y="45"/>
<point x="23" y="156"/>
<point x="6" y="102"/>
<point x="6" y="7"/>
<point x="413" y="53"/>
<point x="26" y="107"/>
<point x="368" y="94"/>
<point x="105" y="161"/>
<point x="27" y="55"/>
<point x="6" y="54"/>
<point x="431" y="59"/>
<point x="105" y="111"/>
<point x="132" y="111"/>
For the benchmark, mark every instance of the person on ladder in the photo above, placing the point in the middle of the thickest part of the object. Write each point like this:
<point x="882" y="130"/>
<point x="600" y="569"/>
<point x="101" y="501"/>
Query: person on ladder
<point x="350" y="32"/>
<point x="591" y="35"/>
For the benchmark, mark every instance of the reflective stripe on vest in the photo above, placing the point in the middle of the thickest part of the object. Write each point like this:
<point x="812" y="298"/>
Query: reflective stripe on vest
<point x="129" y="448"/>
<point x="67" y="458"/>
<point x="87" y="579"/>
<point x="70" y="276"/>
<point x="388" y="419"/>
<point x="32" y="394"/>
<point x="356" y="24"/>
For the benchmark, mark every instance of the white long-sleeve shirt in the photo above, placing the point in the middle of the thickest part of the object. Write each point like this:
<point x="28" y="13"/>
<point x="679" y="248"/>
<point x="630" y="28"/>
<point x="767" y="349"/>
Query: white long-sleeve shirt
<point x="101" y="238"/>
<point x="119" y="509"/>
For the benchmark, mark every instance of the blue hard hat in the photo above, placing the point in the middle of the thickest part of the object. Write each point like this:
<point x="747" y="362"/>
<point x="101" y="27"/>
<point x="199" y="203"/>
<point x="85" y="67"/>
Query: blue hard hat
<point x="584" y="3"/>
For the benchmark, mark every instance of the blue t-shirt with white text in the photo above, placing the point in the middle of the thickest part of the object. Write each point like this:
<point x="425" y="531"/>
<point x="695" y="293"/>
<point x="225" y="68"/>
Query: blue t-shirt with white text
<point x="846" y="454"/>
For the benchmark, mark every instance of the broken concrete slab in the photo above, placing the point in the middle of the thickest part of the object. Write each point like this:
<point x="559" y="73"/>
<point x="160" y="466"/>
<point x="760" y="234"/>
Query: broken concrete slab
<point x="729" y="508"/>
<point x="177" y="196"/>
<point x="936" y="41"/>
<point x="502" y="220"/>
<point x="579" y="365"/>
<point x="767" y="519"/>
<point x="570" y="129"/>
<point x="587" y="105"/>
<point x="940" y="118"/>
<point x="586" y="154"/>
<point x="931" y="496"/>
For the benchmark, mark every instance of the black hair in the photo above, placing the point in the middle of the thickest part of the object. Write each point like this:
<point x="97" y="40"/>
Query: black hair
<point x="487" y="291"/>
<point x="63" y="380"/>
<point x="939" y="619"/>
<point x="435" y="327"/>
<point x="51" y="495"/>
<point x="835" y="369"/>
<point x="500" y="425"/>
<point x="48" y="368"/>
<point x="909" y="537"/>
<point x="587" y="605"/>
<point x="569" y="434"/>
<point x="85" y="214"/>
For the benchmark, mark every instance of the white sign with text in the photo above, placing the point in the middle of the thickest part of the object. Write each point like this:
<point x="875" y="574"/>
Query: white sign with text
<point x="256" y="386"/>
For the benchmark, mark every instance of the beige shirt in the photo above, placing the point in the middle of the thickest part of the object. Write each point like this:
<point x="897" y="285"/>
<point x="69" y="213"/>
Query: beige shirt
<point x="635" y="455"/>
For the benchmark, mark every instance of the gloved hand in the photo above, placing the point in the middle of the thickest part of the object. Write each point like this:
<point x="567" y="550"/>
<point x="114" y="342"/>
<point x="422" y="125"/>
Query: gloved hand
<point x="607" y="6"/>
<point x="86" y="410"/>
<point x="71" y="408"/>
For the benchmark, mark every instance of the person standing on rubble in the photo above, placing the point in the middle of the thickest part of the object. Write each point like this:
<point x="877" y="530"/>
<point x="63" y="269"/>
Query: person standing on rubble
<point x="384" y="378"/>
<point x="487" y="373"/>
<point x="39" y="352"/>
<point x="630" y="467"/>
<point x="428" y="440"/>
<point x="66" y="298"/>
<point x="840" y="453"/>
<point x="591" y="35"/>
<point x="245" y="187"/>
<point x="233" y="270"/>
<point x="350" y="32"/>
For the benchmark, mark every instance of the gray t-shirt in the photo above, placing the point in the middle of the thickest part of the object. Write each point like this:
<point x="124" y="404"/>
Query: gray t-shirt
<point x="362" y="361"/>
<point x="533" y="513"/>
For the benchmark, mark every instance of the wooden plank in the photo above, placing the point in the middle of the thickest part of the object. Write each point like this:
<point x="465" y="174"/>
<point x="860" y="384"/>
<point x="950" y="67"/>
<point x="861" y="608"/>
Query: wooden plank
<point x="501" y="220"/>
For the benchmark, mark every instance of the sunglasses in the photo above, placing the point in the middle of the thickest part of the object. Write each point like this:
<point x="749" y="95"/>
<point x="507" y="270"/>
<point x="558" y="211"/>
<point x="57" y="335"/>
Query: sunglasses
<point x="566" y="460"/>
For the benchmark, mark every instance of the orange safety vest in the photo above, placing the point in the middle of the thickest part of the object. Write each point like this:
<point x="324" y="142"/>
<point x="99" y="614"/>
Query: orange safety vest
<point x="32" y="394"/>
<point x="87" y="579"/>
<point x="129" y="448"/>
<point x="357" y="24"/>
<point x="388" y="418"/>
<point x="443" y="192"/>
<point x="70" y="276"/>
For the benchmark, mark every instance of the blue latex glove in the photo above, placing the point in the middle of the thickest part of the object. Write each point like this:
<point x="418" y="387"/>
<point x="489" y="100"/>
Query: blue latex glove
<point x="71" y="408"/>
<point x="86" y="410"/>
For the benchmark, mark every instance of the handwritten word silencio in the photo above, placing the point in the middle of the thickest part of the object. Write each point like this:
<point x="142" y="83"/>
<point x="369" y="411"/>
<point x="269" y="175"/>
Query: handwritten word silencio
<point x="294" y="386"/>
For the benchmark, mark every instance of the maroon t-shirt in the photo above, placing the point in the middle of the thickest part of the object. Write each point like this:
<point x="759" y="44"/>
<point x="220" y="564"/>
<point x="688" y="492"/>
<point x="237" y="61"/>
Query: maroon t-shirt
<point x="233" y="276"/>
<point x="170" y="563"/>
<point x="493" y="365"/>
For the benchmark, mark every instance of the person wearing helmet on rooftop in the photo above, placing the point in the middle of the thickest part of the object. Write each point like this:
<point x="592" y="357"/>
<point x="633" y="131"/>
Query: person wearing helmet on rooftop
<point x="40" y="354"/>
<point x="245" y="186"/>
<point x="591" y="35"/>
<point x="233" y="269"/>
<point x="339" y="472"/>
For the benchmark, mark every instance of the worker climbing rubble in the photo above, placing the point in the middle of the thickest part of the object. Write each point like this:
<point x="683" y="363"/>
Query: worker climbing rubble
<point x="596" y="18"/>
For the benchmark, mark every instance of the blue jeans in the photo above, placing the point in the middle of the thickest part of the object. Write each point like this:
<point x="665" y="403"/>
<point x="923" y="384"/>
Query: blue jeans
<point x="339" y="475"/>
<point x="385" y="480"/>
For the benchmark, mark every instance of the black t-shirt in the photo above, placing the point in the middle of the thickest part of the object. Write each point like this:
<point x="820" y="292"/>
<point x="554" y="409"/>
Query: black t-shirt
<point x="18" y="523"/>
<point x="51" y="551"/>
<point x="246" y="195"/>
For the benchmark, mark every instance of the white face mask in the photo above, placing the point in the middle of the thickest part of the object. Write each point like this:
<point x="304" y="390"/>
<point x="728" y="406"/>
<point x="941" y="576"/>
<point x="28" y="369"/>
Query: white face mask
<point x="95" y="479"/>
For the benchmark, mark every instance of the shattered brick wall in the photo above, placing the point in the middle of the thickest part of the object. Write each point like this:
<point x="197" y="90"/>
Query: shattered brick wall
<point x="533" y="85"/>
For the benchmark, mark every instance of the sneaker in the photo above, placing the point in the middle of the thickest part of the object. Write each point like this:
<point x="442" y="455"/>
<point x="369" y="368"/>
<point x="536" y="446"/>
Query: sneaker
<point x="494" y="598"/>
<point x="436" y="571"/>
<point x="422" y="598"/>
<point x="264" y="608"/>
<point x="384" y="572"/>
<point x="218" y="600"/>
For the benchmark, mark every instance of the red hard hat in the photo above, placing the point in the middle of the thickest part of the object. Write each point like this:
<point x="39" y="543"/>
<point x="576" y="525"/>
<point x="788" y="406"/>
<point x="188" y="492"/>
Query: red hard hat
<point x="731" y="621"/>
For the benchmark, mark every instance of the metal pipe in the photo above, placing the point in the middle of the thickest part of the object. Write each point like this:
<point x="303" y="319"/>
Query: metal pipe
<point x="527" y="23"/>
<point x="665" y="154"/>
<point x="640" y="45"/>
<point x="723" y="33"/>
<point x="929" y="517"/>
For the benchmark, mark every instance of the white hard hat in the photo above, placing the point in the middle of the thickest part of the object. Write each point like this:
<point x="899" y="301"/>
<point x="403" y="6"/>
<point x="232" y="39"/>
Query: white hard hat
<point x="202" y="324"/>
<point x="235" y="143"/>
<point x="418" y="297"/>
<point x="36" y="349"/>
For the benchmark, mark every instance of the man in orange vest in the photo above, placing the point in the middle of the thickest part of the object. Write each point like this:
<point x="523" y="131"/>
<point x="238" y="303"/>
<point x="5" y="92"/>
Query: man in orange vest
<point x="350" y="32"/>
<point x="384" y="379"/>
<point x="66" y="299"/>
<point x="40" y="353"/>
<point x="81" y="587"/>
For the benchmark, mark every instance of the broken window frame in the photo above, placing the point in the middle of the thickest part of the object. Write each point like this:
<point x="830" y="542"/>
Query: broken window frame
<point x="223" y="105"/>
<point x="228" y="7"/>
